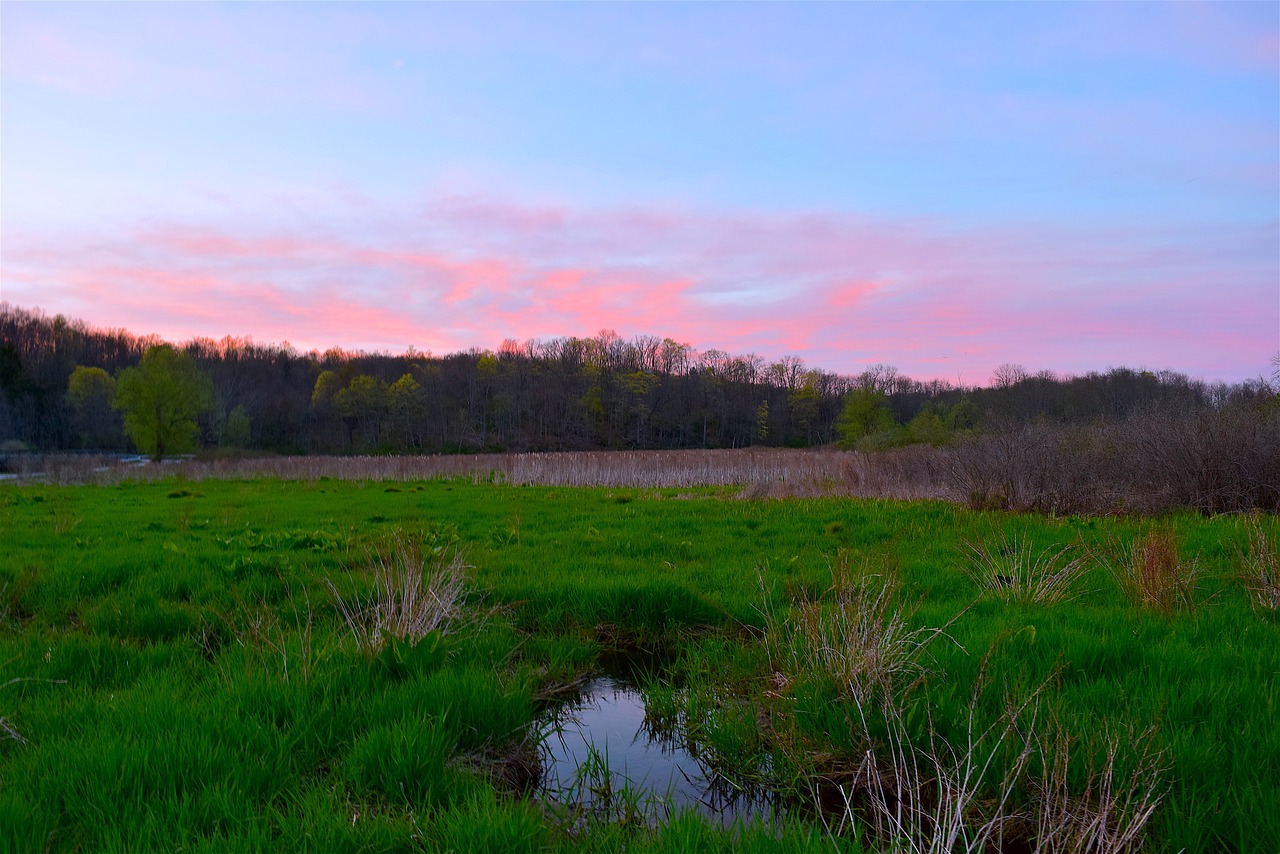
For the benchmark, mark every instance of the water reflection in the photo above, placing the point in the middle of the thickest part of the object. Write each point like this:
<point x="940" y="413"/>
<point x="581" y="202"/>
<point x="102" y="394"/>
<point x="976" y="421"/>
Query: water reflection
<point x="604" y="753"/>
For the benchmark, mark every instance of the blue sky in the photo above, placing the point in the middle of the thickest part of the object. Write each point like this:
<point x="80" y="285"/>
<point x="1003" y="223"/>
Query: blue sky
<point x="943" y="187"/>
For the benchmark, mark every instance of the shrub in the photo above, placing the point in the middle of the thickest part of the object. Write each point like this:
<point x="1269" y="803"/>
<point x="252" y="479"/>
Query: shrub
<point x="1214" y="461"/>
<point x="865" y="417"/>
<point x="1042" y="467"/>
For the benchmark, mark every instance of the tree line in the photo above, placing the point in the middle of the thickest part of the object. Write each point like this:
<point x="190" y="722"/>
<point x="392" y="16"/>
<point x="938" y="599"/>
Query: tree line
<point x="65" y="385"/>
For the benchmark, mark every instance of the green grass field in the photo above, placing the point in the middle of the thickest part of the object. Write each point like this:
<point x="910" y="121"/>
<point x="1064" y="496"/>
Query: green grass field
<point x="178" y="672"/>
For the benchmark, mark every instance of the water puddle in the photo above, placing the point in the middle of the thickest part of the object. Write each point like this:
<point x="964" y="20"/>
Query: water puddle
<point x="605" y="754"/>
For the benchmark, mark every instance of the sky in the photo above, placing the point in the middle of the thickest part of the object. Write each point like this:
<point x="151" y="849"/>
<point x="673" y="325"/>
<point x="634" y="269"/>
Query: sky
<point x="944" y="188"/>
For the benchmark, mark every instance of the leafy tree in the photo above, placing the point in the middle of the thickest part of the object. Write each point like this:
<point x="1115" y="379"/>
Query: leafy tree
<point x="928" y="427"/>
<point x="238" y="431"/>
<point x="161" y="399"/>
<point x="327" y="385"/>
<point x="91" y="392"/>
<point x="408" y="404"/>
<point x="803" y="403"/>
<point x="865" y="414"/>
<point x="964" y="416"/>
<point x="593" y="402"/>
<point x="637" y="386"/>
<point x="364" y="403"/>
<point x="87" y="385"/>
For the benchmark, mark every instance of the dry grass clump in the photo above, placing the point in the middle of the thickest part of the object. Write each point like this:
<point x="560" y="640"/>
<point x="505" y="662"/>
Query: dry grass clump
<point x="1152" y="573"/>
<point x="1009" y="567"/>
<point x="998" y="781"/>
<point x="855" y="635"/>
<point x="1109" y="813"/>
<point x="1259" y="564"/>
<point x="925" y="794"/>
<point x="414" y="593"/>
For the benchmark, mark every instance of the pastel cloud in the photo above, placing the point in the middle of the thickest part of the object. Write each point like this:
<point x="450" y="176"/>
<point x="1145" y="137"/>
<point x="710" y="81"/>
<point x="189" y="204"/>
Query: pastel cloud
<point x="935" y="299"/>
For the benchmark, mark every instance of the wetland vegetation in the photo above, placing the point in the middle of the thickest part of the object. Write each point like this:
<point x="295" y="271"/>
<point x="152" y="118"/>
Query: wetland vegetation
<point x="363" y="664"/>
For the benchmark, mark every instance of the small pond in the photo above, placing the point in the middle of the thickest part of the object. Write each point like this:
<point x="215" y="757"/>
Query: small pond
<point x="602" y="752"/>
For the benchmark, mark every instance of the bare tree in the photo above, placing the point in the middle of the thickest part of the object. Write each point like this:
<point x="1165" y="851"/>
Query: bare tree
<point x="1008" y="374"/>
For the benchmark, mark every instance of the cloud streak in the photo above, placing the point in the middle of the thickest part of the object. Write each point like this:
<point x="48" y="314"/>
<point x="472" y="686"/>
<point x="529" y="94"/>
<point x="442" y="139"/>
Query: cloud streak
<point x="453" y="273"/>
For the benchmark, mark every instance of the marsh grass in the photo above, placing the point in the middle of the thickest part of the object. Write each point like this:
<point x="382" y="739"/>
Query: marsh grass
<point x="919" y="791"/>
<point x="1152" y="573"/>
<point x="416" y="592"/>
<point x="1009" y="567"/>
<point x="265" y="637"/>
<point x="179" y="729"/>
<point x="754" y="472"/>
<point x="8" y="731"/>
<point x="600" y="793"/>
<point x="1002" y="782"/>
<point x="857" y="636"/>
<point x="994" y="780"/>
<point x="1259" y="568"/>
<point x="407" y="763"/>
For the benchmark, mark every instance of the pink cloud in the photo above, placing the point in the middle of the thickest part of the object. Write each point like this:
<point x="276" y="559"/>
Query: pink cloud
<point x="845" y="296"/>
<point x="840" y="291"/>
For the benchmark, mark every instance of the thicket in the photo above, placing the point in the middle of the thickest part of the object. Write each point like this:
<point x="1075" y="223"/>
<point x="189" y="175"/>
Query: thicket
<point x="57" y="381"/>
<point x="1212" y="460"/>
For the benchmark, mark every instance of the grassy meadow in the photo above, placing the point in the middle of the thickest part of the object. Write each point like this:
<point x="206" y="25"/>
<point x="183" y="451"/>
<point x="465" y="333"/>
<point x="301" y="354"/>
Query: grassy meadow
<point x="343" y="664"/>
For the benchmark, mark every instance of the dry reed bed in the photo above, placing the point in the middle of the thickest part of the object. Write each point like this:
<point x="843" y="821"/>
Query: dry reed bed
<point x="761" y="472"/>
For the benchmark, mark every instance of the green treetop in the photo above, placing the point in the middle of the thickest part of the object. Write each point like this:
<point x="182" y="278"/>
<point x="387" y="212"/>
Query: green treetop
<point x="161" y="399"/>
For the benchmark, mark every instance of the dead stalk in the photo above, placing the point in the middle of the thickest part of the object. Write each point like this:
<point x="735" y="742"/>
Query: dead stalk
<point x="924" y="793"/>
<point x="1108" y="814"/>
<point x="1259" y="568"/>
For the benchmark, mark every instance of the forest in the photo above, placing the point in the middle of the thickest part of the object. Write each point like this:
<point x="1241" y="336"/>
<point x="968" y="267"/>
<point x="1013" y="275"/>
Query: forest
<point x="57" y="384"/>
